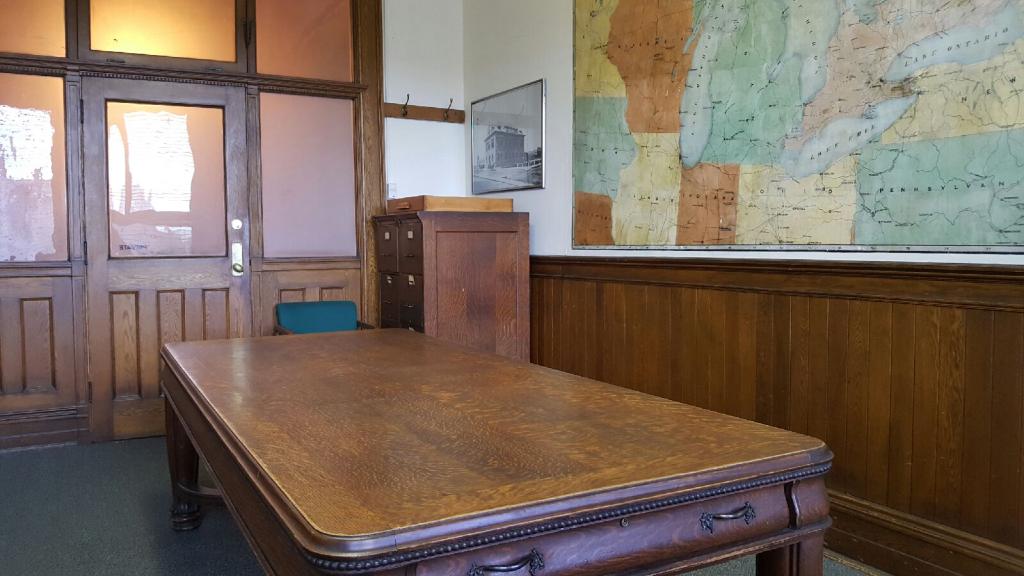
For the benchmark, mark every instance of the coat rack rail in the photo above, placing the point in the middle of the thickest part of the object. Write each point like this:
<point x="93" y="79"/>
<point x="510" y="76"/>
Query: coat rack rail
<point x="427" y="113"/>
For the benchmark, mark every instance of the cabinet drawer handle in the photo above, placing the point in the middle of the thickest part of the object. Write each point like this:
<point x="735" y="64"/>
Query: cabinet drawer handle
<point x="707" y="520"/>
<point x="534" y="560"/>
<point x="409" y="306"/>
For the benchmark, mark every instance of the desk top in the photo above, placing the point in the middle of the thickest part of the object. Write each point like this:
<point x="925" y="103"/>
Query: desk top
<point x="382" y="440"/>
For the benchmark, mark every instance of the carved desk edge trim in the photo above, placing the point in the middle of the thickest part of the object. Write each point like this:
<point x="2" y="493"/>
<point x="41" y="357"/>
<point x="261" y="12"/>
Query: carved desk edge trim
<point x="398" y="558"/>
<point x="277" y="500"/>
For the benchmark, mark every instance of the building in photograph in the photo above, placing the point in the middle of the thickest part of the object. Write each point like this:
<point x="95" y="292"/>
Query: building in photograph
<point x="505" y="146"/>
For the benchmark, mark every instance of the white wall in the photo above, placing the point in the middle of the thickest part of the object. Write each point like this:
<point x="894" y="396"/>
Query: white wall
<point x="508" y="43"/>
<point x="423" y="58"/>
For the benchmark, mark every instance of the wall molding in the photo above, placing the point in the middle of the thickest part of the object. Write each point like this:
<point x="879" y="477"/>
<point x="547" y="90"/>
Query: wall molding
<point x="989" y="287"/>
<point x="949" y="550"/>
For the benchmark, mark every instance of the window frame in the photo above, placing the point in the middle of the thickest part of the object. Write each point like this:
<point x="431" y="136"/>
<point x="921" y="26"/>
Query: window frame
<point x="365" y="90"/>
<point x="72" y="236"/>
<point x="70" y="38"/>
<point x="244" y="26"/>
<point x="353" y="52"/>
<point x="256" y="159"/>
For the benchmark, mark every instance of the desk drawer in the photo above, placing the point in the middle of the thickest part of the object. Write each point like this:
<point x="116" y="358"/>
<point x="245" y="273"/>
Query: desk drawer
<point x="387" y="246"/>
<point x="658" y="537"/>
<point x="389" y="303"/>
<point x="410" y="247"/>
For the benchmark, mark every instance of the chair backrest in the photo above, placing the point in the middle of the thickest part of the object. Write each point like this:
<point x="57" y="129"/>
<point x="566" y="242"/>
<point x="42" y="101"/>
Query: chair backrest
<point x="317" y="317"/>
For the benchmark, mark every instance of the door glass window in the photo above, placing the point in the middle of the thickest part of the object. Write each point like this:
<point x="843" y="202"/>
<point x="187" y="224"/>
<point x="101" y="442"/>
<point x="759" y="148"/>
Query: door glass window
<point x="33" y="184"/>
<point x="304" y="38"/>
<point x="199" y="29"/>
<point x="308" y="163"/>
<point x="165" y="167"/>
<point x="32" y="27"/>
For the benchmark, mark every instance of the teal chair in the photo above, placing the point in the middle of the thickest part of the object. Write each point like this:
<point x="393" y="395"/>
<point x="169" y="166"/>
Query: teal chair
<point x="316" y="317"/>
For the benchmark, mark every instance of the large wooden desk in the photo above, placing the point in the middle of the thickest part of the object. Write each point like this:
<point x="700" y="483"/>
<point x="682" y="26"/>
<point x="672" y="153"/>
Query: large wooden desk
<point x="388" y="452"/>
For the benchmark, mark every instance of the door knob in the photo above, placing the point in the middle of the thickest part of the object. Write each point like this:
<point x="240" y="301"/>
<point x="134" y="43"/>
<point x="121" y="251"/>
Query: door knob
<point x="237" y="267"/>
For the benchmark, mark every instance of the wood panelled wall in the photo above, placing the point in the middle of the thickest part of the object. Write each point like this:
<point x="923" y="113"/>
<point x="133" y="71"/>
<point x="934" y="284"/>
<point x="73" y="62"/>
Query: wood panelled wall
<point x="37" y="362"/>
<point x="914" y="376"/>
<point x="303" y="282"/>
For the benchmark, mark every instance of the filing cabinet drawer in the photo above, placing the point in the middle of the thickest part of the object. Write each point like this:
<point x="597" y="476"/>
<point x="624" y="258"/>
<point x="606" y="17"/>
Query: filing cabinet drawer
<point x="410" y="298"/>
<point x="387" y="246"/>
<point x="452" y="254"/>
<point x="410" y="246"/>
<point x="389" y="304"/>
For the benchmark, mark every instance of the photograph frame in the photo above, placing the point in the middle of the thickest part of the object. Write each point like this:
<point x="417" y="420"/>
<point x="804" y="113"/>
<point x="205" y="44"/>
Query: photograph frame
<point x="515" y="169"/>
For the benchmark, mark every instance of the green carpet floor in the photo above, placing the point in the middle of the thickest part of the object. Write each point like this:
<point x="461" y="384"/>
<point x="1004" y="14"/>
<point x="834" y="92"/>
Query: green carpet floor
<point x="102" y="510"/>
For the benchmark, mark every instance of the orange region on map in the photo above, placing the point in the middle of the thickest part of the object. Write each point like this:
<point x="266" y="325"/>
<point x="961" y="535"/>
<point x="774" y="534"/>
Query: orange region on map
<point x="646" y="44"/>
<point x="707" y="205"/>
<point x="592" y="224"/>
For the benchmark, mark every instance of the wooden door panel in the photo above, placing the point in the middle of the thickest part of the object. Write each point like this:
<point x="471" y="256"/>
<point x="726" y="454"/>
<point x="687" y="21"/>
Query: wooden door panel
<point x="170" y="313"/>
<point x="216" y="314"/>
<point x="142" y="321"/>
<point x="303" y="286"/>
<point x="37" y="346"/>
<point x="139" y="303"/>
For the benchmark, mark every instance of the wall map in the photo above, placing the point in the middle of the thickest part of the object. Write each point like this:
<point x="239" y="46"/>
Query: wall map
<point x="809" y="122"/>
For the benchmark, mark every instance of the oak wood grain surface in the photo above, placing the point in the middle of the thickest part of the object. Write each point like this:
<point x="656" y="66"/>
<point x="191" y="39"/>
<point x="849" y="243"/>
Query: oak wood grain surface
<point x="912" y="374"/>
<point x="365" y="442"/>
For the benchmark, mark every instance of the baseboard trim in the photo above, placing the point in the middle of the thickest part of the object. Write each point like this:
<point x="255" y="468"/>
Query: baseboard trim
<point x="43" y="428"/>
<point x="853" y="564"/>
<point x="907" y="544"/>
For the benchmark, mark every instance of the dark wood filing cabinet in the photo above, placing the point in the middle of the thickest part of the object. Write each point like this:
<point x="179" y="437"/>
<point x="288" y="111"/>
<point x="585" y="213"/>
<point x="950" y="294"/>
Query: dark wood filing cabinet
<point x="463" y="277"/>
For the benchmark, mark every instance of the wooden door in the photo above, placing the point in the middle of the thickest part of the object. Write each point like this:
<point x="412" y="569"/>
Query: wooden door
<point x="167" y="236"/>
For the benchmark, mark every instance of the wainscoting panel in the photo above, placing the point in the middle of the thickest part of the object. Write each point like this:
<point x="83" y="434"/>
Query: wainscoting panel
<point x="912" y="375"/>
<point x="300" y="282"/>
<point x="39" y="400"/>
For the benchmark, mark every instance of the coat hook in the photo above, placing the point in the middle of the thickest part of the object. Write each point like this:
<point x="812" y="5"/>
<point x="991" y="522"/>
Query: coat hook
<point x="405" y="107"/>
<point x="450" y="103"/>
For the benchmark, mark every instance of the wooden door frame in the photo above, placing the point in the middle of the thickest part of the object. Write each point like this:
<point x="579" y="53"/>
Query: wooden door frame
<point x="95" y="94"/>
<point x="366" y="90"/>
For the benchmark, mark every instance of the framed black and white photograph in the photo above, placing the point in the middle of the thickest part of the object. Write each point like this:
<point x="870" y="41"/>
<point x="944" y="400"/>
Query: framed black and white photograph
<point x="508" y="140"/>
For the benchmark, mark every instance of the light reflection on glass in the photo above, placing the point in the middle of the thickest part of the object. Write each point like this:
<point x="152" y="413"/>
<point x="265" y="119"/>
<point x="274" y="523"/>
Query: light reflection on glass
<point x="203" y="29"/>
<point x="305" y="38"/>
<point x="166" y="180"/>
<point x="308" y="162"/>
<point x="32" y="27"/>
<point x="33" y="209"/>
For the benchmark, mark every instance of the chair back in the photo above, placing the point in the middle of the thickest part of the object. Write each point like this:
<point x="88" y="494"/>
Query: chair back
<point x="317" y="317"/>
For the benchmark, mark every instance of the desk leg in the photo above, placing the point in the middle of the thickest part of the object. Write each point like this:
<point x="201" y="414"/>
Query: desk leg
<point x="805" y="558"/>
<point x="183" y="462"/>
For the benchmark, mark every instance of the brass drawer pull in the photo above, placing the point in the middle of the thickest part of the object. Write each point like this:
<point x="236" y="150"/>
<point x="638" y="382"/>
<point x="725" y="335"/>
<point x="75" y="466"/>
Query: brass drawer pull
<point x="534" y="560"/>
<point x="707" y="520"/>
